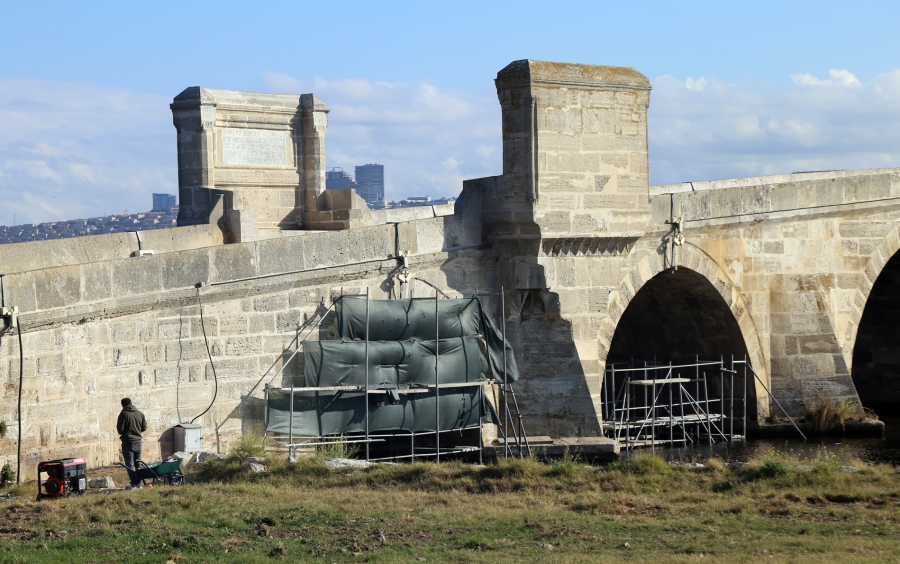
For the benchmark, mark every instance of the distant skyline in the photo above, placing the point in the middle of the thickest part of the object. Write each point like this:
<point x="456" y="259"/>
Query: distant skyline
<point x="739" y="89"/>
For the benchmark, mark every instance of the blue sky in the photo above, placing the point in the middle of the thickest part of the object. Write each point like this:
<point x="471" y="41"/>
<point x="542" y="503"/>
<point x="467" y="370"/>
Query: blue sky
<point x="739" y="88"/>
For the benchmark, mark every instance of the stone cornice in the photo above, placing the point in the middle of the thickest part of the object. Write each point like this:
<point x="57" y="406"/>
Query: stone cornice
<point x="587" y="246"/>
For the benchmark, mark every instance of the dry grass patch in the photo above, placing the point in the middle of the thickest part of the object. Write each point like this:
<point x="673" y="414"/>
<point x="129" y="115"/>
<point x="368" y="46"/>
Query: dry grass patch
<point x="511" y="511"/>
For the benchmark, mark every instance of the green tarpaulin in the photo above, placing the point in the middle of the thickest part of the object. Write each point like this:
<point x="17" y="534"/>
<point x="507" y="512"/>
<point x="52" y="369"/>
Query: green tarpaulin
<point x="402" y="355"/>
<point x="414" y="318"/>
<point x="319" y="414"/>
<point x="393" y="364"/>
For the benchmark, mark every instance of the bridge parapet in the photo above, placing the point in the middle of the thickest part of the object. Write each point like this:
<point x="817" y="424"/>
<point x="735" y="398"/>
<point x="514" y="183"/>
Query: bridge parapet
<point x="726" y="201"/>
<point x="804" y="251"/>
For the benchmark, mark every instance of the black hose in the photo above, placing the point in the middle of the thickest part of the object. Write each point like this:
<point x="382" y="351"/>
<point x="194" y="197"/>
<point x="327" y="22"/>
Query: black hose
<point x="21" y="373"/>
<point x="209" y="354"/>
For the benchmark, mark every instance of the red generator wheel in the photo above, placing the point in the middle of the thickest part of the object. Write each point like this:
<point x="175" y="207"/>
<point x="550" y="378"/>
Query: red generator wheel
<point x="54" y="486"/>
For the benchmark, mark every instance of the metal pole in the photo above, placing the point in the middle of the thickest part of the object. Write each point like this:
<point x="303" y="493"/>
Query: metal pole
<point x="481" y="425"/>
<point x="627" y="414"/>
<point x="708" y="416"/>
<point x="291" y="424"/>
<point x="266" y="416"/>
<point x="653" y="418"/>
<point x="522" y="438"/>
<point x="300" y="344"/>
<point x="646" y="407"/>
<point x="745" y="397"/>
<point x="731" y="402"/>
<point x="612" y="381"/>
<point x="504" y="385"/>
<point x="605" y="402"/>
<point x="684" y="430"/>
<point x="671" y="419"/>
<point x="697" y="373"/>
<point x="366" y="399"/>
<point x="437" y="380"/>
<point x="697" y="392"/>
<point x="773" y="398"/>
<point x="722" y="395"/>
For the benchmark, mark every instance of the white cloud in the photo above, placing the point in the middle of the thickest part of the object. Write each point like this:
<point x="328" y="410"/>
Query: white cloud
<point x="836" y="77"/>
<point x="730" y="130"/>
<point x="429" y="138"/>
<point x="78" y="150"/>
<point x="698" y="84"/>
<point x="70" y="150"/>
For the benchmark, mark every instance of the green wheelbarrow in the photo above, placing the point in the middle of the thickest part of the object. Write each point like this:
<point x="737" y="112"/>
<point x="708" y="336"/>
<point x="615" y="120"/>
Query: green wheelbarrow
<point x="168" y="473"/>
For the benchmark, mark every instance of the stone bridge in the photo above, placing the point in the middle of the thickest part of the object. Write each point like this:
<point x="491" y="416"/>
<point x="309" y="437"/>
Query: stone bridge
<point x="795" y="272"/>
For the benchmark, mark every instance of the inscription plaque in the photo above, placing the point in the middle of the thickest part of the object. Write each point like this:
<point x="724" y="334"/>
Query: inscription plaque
<point x="254" y="147"/>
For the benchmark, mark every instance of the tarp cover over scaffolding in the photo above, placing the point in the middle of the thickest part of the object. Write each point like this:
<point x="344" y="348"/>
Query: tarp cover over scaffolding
<point x="403" y="362"/>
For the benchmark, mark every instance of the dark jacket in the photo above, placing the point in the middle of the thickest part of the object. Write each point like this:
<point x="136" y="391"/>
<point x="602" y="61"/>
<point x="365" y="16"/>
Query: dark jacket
<point x="131" y="424"/>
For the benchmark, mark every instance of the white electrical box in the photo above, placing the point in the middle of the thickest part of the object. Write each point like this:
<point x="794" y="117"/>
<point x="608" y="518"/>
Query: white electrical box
<point x="188" y="437"/>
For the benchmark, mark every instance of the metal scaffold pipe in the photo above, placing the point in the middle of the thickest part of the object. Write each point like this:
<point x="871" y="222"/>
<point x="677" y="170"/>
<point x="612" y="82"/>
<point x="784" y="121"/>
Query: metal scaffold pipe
<point x="367" y="375"/>
<point x="437" y="379"/>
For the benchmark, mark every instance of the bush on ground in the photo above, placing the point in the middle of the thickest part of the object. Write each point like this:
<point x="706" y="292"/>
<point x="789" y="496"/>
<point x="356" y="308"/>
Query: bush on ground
<point x="825" y="413"/>
<point x="248" y="445"/>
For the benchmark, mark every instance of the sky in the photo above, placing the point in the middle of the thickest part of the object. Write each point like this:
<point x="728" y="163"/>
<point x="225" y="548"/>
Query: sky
<point x="739" y="89"/>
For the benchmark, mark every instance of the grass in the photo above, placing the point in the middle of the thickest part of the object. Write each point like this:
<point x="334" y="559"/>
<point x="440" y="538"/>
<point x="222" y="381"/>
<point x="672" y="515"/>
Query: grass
<point x="248" y="445"/>
<point x="509" y="511"/>
<point x="827" y="413"/>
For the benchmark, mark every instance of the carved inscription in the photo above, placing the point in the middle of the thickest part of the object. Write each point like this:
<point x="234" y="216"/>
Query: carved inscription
<point x="254" y="147"/>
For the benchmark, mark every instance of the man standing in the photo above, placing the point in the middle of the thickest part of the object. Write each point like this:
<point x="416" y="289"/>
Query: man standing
<point x="130" y="425"/>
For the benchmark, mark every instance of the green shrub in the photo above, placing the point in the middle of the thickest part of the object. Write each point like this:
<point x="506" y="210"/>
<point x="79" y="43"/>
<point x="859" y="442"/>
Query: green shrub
<point x="215" y="470"/>
<point x="826" y="412"/>
<point x="337" y="449"/>
<point x="773" y="468"/>
<point x="248" y="445"/>
<point x="513" y="469"/>
<point x="7" y="475"/>
<point x="642" y="465"/>
<point x="568" y="464"/>
<point x="826" y="461"/>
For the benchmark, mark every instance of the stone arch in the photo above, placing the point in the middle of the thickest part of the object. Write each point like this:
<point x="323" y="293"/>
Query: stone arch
<point x="886" y="249"/>
<point x="649" y="264"/>
<point x="874" y="349"/>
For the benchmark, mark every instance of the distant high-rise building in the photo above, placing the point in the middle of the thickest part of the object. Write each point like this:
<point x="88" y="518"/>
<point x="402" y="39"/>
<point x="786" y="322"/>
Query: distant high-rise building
<point x="337" y="179"/>
<point x="370" y="184"/>
<point x="162" y="202"/>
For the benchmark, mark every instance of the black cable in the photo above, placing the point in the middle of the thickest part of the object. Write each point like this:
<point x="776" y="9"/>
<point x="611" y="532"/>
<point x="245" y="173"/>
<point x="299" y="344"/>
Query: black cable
<point x="21" y="372"/>
<point x="209" y="354"/>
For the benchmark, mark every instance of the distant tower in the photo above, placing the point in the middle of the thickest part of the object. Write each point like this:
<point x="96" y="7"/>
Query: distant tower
<point x="162" y="202"/>
<point x="370" y="184"/>
<point x="337" y="179"/>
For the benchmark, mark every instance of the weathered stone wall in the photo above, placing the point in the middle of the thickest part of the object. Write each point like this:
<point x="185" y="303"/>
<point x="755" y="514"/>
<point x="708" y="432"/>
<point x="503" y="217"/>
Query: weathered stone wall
<point x="95" y="332"/>
<point x="265" y="153"/>
<point x="38" y="255"/>
<point x="563" y="218"/>
<point x="804" y="254"/>
<point x="779" y="268"/>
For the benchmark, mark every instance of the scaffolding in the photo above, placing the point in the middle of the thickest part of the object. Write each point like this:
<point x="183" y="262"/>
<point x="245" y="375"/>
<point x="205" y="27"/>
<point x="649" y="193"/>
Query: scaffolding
<point x="394" y="444"/>
<point x="648" y="404"/>
<point x="513" y="437"/>
<point x="651" y="404"/>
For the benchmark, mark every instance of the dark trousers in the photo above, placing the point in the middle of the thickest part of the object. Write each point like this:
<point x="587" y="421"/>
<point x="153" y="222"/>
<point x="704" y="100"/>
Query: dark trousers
<point x="131" y="452"/>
